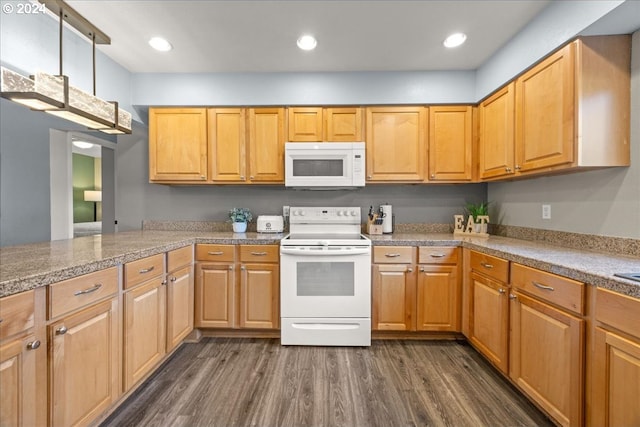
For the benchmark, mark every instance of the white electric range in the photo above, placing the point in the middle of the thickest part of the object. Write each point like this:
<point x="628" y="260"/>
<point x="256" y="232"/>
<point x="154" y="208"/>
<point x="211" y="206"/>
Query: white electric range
<point x="325" y="278"/>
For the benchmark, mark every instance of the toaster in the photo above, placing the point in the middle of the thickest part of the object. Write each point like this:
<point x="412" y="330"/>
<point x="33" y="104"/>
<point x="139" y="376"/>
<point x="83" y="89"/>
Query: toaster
<point x="270" y="224"/>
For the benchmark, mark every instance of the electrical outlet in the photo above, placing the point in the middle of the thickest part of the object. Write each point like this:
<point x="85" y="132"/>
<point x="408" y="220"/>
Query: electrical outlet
<point x="285" y="211"/>
<point x="546" y="211"/>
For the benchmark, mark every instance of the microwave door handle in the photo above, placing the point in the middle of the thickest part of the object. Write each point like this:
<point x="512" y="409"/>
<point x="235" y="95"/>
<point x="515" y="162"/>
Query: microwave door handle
<point x="293" y="251"/>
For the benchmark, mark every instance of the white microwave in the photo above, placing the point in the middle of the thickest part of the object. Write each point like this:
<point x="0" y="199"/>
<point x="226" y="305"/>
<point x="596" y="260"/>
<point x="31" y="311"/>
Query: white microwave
<point x="324" y="164"/>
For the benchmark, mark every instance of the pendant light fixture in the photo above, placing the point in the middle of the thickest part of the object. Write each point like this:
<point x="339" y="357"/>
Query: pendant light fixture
<point x="54" y="95"/>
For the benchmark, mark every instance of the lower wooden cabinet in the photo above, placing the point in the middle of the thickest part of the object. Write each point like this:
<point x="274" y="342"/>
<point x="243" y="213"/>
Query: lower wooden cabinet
<point x="259" y="296"/>
<point x="144" y="329"/>
<point x="393" y="297"/>
<point x="410" y="297"/>
<point x="84" y="364"/>
<point x="489" y="319"/>
<point x="250" y="299"/>
<point x="615" y="365"/>
<point x="179" y="306"/>
<point x="547" y="357"/>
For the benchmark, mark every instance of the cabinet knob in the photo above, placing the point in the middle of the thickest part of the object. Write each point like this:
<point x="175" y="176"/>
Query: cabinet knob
<point x="173" y="279"/>
<point x="33" y="345"/>
<point x="421" y="269"/>
<point x="507" y="169"/>
<point x="202" y="177"/>
<point x="61" y="330"/>
<point x="251" y="177"/>
<point x="243" y="268"/>
<point x="410" y="270"/>
<point x="368" y="176"/>
<point x="518" y="167"/>
<point x="502" y="291"/>
<point x="433" y="175"/>
<point x="231" y="267"/>
<point x="513" y="297"/>
<point x="242" y="177"/>
<point x="164" y="282"/>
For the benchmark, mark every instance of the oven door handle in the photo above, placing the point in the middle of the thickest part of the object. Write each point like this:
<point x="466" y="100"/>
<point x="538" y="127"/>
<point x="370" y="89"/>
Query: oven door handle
<point x="325" y="252"/>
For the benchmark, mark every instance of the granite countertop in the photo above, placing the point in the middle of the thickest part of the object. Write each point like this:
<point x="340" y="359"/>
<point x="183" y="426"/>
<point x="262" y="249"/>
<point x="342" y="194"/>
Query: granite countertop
<point x="30" y="266"/>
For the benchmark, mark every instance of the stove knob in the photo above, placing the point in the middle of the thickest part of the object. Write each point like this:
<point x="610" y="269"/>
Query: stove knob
<point x="294" y="213"/>
<point x="339" y="213"/>
<point x="301" y="213"/>
<point x="354" y="213"/>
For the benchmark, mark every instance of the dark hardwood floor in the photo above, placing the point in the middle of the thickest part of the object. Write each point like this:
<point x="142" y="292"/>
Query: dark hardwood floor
<point x="257" y="382"/>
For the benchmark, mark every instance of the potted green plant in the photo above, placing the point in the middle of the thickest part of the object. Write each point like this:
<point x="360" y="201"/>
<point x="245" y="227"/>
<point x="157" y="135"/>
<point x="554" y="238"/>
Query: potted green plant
<point x="476" y="210"/>
<point x="239" y="217"/>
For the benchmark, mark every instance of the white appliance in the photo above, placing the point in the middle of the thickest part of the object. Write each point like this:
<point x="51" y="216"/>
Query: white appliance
<point x="270" y="224"/>
<point x="325" y="279"/>
<point x="324" y="164"/>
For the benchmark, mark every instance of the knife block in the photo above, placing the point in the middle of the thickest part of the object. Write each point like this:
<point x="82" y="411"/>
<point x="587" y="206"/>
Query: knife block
<point x="373" y="228"/>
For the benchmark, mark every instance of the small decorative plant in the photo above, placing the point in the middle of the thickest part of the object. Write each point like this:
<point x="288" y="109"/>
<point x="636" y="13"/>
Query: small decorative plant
<point x="240" y="215"/>
<point x="477" y="209"/>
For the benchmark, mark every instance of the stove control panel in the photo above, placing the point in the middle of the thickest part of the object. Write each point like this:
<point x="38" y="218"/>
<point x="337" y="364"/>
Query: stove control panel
<point x="333" y="215"/>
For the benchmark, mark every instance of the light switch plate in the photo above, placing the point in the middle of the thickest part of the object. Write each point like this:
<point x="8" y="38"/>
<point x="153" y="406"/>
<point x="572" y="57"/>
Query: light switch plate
<point x="546" y="211"/>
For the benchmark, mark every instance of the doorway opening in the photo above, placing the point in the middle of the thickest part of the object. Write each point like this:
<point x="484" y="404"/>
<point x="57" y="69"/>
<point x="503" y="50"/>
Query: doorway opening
<point x="82" y="185"/>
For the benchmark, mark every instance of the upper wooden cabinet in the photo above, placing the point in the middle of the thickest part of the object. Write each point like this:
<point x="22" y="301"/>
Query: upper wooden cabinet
<point x="396" y="143"/>
<point x="451" y="143"/>
<point x="247" y="145"/>
<point x="227" y="138"/>
<point x="496" y="147"/>
<point x="266" y="145"/>
<point x="177" y="144"/>
<point x="316" y="124"/>
<point x="569" y="111"/>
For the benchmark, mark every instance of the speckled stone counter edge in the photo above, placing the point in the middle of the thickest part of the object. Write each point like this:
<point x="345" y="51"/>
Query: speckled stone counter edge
<point x="613" y="245"/>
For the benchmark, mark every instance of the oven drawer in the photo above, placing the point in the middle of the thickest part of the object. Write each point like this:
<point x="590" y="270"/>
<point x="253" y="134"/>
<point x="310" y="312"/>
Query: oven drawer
<point x="393" y="254"/>
<point x="325" y="331"/>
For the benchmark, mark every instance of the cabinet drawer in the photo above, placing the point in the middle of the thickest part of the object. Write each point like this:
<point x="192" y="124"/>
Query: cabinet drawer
<point x="136" y="272"/>
<point x="550" y="287"/>
<point x="393" y="254"/>
<point x="222" y="253"/>
<point x="179" y="258"/>
<point x="617" y="310"/>
<point x="259" y="253"/>
<point x="496" y="268"/>
<point x="437" y="255"/>
<point x="16" y="312"/>
<point x="75" y="293"/>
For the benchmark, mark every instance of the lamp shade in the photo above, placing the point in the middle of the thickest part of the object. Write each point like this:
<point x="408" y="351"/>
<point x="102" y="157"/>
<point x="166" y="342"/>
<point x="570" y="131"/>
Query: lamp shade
<point x="93" y="196"/>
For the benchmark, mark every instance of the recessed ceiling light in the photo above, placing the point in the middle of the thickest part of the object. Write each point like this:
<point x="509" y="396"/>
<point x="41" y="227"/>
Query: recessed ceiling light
<point x="307" y="42"/>
<point x="158" y="43"/>
<point x="82" y="144"/>
<point x="454" y="40"/>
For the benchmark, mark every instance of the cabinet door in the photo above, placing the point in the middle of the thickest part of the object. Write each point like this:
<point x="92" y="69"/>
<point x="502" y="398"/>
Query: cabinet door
<point x="616" y="377"/>
<point x="179" y="306"/>
<point x="438" y="301"/>
<point x="84" y="364"/>
<point x="259" y="296"/>
<point x="450" y="143"/>
<point x="305" y="124"/>
<point x="227" y="140"/>
<point x="393" y="297"/>
<point x="215" y="296"/>
<point x="144" y="330"/>
<point x="343" y="124"/>
<point x="177" y="144"/>
<point x="547" y="357"/>
<point x="396" y="143"/>
<point x="489" y="319"/>
<point x="545" y="112"/>
<point x="18" y="382"/>
<point x="497" y="134"/>
<point x="266" y="145"/>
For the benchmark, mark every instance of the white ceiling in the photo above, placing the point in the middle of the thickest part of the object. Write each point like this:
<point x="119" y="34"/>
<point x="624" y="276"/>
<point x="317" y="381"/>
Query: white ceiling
<point x="260" y="35"/>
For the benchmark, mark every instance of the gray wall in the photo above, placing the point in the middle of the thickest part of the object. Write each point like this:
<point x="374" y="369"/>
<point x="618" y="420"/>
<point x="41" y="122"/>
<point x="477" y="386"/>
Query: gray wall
<point x="138" y="200"/>
<point x="604" y="202"/>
